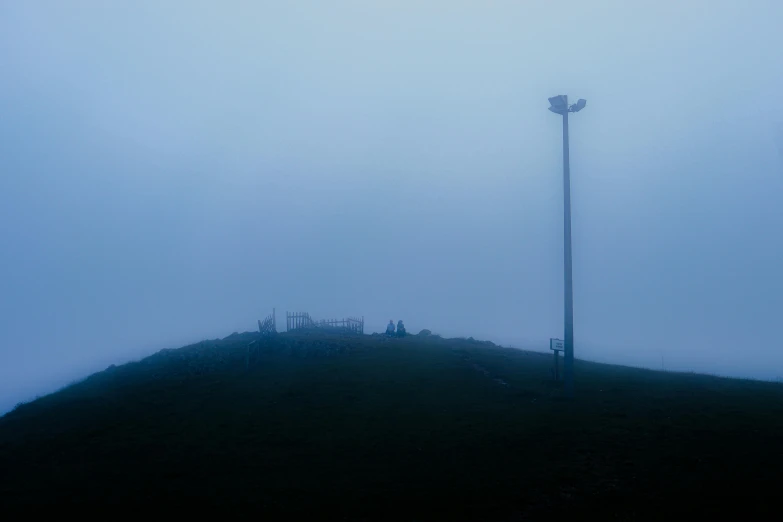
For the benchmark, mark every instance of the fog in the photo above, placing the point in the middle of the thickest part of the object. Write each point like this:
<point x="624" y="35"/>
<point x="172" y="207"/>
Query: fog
<point x="171" y="171"/>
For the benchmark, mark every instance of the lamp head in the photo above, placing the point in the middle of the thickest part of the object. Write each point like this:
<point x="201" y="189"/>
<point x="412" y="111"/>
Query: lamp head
<point x="579" y="105"/>
<point x="559" y="104"/>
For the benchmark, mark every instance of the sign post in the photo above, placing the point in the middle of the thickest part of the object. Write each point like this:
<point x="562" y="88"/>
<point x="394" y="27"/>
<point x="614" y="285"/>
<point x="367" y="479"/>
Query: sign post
<point x="557" y="346"/>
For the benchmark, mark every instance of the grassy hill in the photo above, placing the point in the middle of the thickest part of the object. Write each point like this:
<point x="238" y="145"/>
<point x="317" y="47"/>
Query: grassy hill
<point x="369" y="428"/>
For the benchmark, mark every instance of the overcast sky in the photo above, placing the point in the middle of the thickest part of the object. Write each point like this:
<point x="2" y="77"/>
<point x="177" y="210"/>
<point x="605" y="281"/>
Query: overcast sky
<point x="170" y="171"/>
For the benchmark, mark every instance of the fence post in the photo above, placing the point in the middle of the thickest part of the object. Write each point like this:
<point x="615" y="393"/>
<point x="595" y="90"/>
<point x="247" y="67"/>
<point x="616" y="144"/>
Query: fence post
<point x="247" y="356"/>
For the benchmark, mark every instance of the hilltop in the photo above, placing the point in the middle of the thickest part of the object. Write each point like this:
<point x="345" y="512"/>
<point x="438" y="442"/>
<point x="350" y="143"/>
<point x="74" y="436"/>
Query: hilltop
<point x="322" y="426"/>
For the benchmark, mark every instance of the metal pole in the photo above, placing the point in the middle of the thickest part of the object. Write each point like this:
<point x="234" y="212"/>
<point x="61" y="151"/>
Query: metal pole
<point x="568" y="359"/>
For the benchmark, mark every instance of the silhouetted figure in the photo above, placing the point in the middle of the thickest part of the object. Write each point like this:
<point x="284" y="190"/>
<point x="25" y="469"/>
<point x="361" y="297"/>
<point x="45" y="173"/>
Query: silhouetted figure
<point x="390" y="328"/>
<point x="400" y="329"/>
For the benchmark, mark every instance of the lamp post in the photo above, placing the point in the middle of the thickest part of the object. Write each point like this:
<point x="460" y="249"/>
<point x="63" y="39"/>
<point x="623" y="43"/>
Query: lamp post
<point x="559" y="105"/>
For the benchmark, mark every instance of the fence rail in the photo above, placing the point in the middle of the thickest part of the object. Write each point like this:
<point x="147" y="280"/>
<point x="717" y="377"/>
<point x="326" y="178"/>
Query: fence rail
<point x="302" y="320"/>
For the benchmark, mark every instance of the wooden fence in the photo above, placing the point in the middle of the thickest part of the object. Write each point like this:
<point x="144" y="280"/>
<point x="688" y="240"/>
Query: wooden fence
<point x="268" y="325"/>
<point x="302" y="320"/>
<point x="298" y="321"/>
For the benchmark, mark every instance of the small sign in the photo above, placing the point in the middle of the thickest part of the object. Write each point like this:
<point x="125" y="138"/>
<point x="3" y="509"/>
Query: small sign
<point x="557" y="345"/>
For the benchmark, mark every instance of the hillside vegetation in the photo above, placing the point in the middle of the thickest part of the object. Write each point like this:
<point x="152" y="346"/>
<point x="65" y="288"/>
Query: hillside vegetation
<point x="320" y="426"/>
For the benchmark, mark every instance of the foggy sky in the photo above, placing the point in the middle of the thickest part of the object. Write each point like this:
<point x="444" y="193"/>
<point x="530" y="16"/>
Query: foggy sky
<point x="170" y="171"/>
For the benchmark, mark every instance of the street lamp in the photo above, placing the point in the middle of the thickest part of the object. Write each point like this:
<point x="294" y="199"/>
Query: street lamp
<point x="559" y="105"/>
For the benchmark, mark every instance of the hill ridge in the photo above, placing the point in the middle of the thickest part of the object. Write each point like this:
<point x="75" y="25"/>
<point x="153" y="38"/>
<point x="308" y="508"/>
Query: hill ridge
<point x="424" y="428"/>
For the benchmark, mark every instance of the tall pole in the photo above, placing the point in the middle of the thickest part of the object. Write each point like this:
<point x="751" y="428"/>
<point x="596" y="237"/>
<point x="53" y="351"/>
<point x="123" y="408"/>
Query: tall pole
<point x="568" y="359"/>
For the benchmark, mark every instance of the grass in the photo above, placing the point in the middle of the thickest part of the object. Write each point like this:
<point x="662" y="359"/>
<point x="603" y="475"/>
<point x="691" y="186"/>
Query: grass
<point x="369" y="428"/>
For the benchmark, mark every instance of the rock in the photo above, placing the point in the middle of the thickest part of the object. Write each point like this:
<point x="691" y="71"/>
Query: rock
<point x="425" y="333"/>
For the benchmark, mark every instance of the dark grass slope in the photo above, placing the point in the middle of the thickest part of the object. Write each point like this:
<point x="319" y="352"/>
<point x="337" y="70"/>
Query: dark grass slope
<point x="367" y="428"/>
